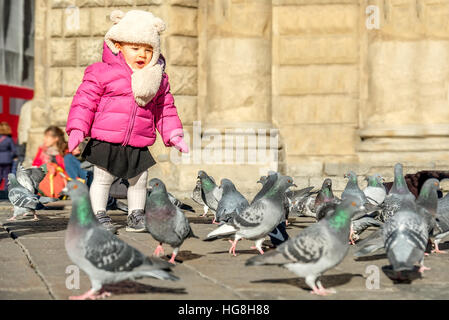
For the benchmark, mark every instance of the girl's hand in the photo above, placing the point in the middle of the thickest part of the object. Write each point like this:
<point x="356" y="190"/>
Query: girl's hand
<point x="75" y="138"/>
<point x="179" y="143"/>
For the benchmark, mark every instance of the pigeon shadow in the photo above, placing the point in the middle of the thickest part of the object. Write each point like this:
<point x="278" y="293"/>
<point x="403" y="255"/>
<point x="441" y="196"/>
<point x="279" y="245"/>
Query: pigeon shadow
<point x="248" y="251"/>
<point x="182" y="256"/>
<point x="403" y="277"/>
<point x="328" y="281"/>
<point x="443" y="246"/>
<point x="372" y="257"/>
<point x="200" y="220"/>
<point x="133" y="287"/>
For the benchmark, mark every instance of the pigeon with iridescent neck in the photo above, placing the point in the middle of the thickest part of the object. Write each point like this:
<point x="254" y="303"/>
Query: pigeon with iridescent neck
<point x="398" y="195"/>
<point x="210" y="193"/>
<point x="259" y="219"/>
<point x="105" y="258"/>
<point x="316" y="249"/>
<point x="164" y="221"/>
<point x="375" y="192"/>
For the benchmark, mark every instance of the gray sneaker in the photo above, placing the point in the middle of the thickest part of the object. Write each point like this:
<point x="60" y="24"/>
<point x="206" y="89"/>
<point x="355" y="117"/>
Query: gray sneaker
<point x="106" y="221"/>
<point x="136" y="221"/>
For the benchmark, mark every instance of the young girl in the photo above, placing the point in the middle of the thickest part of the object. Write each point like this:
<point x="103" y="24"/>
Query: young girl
<point x="53" y="149"/>
<point x="119" y="104"/>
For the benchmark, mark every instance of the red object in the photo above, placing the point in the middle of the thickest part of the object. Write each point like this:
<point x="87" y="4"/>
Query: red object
<point x="54" y="181"/>
<point x="41" y="158"/>
<point x="6" y="93"/>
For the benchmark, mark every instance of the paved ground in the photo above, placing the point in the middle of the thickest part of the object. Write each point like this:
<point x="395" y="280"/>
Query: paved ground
<point x="33" y="265"/>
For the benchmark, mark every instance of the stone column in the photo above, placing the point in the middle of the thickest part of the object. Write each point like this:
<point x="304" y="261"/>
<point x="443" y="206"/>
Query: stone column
<point x="237" y="86"/>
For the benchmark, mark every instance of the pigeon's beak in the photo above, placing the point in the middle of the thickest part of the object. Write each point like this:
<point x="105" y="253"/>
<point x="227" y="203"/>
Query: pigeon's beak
<point x="294" y="185"/>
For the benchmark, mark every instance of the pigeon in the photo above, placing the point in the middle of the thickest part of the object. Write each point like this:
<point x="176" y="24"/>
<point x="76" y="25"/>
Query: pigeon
<point x="196" y="195"/>
<point x="257" y="220"/>
<point x="232" y="202"/>
<point x="360" y="225"/>
<point x="104" y="257"/>
<point x="313" y="204"/>
<point x="398" y="195"/>
<point x="441" y="229"/>
<point x="279" y="234"/>
<point x="30" y="178"/>
<point x="315" y="249"/>
<point x="405" y="235"/>
<point x="210" y="192"/>
<point x="352" y="188"/>
<point x="23" y="200"/>
<point x="375" y="192"/>
<point x="164" y="221"/>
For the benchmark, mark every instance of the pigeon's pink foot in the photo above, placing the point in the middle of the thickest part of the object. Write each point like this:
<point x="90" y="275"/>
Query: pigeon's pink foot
<point x="214" y="222"/>
<point x="172" y="260"/>
<point x="158" y="251"/>
<point x="423" y="268"/>
<point x="91" y="295"/>
<point x="258" y="249"/>
<point x="287" y="223"/>
<point x="35" y="218"/>
<point x="437" y="250"/>
<point x="232" y="249"/>
<point x="12" y="219"/>
<point x="426" y="254"/>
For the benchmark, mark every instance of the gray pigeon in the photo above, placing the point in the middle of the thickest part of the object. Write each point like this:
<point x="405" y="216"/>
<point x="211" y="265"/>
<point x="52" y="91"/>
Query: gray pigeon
<point x="105" y="258"/>
<point x="164" y="221"/>
<point x="23" y="200"/>
<point x="210" y="192"/>
<point x="441" y="229"/>
<point x="179" y="203"/>
<point x="375" y="191"/>
<point x="232" y="202"/>
<point x="405" y="235"/>
<point x="352" y="188"/>
<point x="196" y="195"/>
<point x="315" y="206"/>
<point x="259" y="219"/>
<point x="397" y="196"/>
<point x="315" y="249"/>
<point x="30" y="178"/>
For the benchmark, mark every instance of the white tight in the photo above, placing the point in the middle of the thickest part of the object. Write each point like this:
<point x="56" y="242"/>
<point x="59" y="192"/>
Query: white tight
<point x="101" y="184"/>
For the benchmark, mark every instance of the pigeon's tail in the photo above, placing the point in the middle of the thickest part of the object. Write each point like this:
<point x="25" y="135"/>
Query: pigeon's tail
<point x="371" y="244"/>
<point x="223" y="230"/>
<point x="45" y="200"/>
<point x="403" y="251"/>
<point x="161" y="275"/>
<point x="192" y="235"/>
<point x="186" y="207"/>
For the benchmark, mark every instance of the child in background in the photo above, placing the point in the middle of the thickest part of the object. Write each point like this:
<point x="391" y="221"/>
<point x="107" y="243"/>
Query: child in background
<point x="120" y="104"/>
<point x="7" y="152"/>
<point x="53" y="149"/>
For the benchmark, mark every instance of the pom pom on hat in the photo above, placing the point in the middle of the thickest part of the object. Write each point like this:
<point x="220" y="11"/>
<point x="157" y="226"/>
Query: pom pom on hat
<point x="116" y="16"/>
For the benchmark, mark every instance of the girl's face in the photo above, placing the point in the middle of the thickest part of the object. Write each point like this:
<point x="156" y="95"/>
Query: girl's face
<point x="136" y="55"/>
<point x="50" y="140"/>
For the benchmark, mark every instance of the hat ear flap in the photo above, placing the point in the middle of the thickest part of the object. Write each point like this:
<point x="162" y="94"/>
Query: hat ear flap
<point x="159" y="24"/>
<point x="116" y="16"/>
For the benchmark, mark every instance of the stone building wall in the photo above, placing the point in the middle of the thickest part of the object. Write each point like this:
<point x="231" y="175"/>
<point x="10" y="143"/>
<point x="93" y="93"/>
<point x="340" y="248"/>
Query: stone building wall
<point x="340" y="95"/>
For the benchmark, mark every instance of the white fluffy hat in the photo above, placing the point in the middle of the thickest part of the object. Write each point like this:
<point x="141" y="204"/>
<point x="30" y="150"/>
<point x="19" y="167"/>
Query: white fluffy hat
<point x="136" y="26"/>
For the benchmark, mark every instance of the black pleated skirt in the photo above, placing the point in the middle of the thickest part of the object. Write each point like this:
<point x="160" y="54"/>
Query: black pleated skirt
<point x="121" y="161"/>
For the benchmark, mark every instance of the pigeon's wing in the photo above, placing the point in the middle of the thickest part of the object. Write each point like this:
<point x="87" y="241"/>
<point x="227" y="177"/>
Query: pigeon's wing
<point x="174" y="200"/>
<point x="36" y="174"/>
<point x="252" y="216"/>
<point x="217" y="193"/>
<point x="23" y="198"/>
<point x="300" y="193"/>
<point x="182" y="226"/>
<point x="109" y="253"/>
<point x="309" y="246"/>
<point x="410" y="225"/>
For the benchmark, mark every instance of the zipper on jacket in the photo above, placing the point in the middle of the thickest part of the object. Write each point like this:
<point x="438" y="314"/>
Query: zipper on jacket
<point x="130" y="125"/>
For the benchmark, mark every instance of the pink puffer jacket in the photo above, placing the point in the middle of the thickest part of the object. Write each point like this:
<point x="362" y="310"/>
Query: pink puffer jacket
<point x="104" y="107"/>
